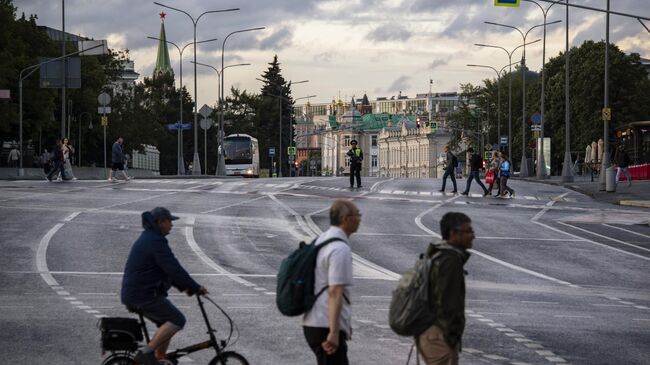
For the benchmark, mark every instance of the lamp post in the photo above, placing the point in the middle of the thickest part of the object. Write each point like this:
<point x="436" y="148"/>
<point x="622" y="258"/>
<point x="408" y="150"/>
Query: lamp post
<point x="180" y="164"/>
<point x="196" y="165"/>
<point x="220" y="141"/>
<point x="221" y="163"/>
<point x="90" y="126"/>
<point x="291" y="135"/>
<point x="510" y="63"/>
<point x="523" y="170"/>
<point x="541" y="164"/>
<point x="280" y="98"/>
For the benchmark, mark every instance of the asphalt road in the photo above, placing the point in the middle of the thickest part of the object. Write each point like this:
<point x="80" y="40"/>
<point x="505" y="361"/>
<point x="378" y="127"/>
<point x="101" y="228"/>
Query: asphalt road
<point x="554" y="278"/>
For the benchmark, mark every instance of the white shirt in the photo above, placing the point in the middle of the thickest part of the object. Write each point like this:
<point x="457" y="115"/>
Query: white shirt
<point x="333" y="267"/>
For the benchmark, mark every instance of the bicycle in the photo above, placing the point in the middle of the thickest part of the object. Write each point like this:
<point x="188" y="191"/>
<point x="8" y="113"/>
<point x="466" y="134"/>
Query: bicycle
<point x="123" y="340"/>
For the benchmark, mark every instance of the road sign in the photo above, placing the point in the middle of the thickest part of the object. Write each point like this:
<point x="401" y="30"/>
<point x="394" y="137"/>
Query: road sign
<point x="291" y="150"/>
<point x="536" y="118"/>
<point x="291" y="159"/>
<point x="175" y="126"/>
<point x="488" y="147"/>
<point x="206" y="123"/>
<point x="488" y="155"/>
<point x="103" y="110"/>
<point x="104" y="99"/>
<point x="271" y="151"/>
<point x="536" y="128"/>
<point x="607" y="114"/>
<point x="104" y="120"/>
<point x="504" y="140"/>
<point x="506" y="3"/>
<point x="312" y="163"/>
<point x="205" y="111"/>
<point x="433" y="125"/>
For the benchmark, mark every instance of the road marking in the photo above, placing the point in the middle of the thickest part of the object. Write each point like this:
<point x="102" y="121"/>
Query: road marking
<point x="234" y="205"/>
<point x="626" y="230"/>
<point x="418" y="219"/>
<point x="607" y="246"/>
<point x="570" y="316"/>
<point x="534" y="302"/>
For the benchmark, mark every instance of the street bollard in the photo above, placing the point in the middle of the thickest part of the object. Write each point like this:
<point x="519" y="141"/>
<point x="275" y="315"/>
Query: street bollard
<point x="610" y="179"/>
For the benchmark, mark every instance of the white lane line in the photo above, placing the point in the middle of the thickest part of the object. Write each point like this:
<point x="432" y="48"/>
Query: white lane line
<point x="41" y="256"/>
<point x="233" y="205"/>
<point x="607" y="246"/>
<point x="521" y="269"/>
<point x="189" y="237"/>
<point x="418" y="219"/>
<point x="570" y="316"/>
<point x="626" y="230"/>
<point x="534" y="302"/>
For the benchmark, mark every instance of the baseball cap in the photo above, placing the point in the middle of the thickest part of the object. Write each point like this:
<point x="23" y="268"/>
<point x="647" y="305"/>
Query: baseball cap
<point x="354" y="141"/>
<point x="162" y="213"/>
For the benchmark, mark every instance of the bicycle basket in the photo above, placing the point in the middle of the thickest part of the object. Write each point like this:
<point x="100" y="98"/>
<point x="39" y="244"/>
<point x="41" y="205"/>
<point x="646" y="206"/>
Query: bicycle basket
<point x="120" y="334"/>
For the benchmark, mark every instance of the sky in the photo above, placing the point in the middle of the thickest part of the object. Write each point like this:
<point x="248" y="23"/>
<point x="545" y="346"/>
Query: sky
<point x="344" y="48"/>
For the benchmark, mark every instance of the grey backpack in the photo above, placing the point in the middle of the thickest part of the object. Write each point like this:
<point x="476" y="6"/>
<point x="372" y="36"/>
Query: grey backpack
<point x="410" y="312"/>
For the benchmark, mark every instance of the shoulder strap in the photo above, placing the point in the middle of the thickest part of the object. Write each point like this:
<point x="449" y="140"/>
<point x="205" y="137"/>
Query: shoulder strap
<point x="317" y="249"/>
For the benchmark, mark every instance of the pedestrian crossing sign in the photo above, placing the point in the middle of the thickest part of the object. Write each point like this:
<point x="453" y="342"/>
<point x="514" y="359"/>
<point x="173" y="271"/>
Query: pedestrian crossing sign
<point x="104" y="120"/>
<point x="506" y="3"/>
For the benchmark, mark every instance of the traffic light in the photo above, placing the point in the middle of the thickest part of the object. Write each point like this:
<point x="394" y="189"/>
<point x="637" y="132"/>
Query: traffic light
<point x="417" y="122"/>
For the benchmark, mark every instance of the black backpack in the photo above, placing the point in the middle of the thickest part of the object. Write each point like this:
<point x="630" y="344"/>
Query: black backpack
<point x="295" y="280"/>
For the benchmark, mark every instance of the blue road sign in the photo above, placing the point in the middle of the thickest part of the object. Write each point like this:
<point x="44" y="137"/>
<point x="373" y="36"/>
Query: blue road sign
<point x="536" y="118"/>
<point x="504" y="140"/>
<point x="506" y="2"/>
<point x="271" y="151"/>
<point x="175" y="126"/>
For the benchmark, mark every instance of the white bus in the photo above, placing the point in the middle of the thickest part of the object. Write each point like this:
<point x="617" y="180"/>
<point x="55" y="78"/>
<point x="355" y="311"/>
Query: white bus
<point x="242" y="155"/>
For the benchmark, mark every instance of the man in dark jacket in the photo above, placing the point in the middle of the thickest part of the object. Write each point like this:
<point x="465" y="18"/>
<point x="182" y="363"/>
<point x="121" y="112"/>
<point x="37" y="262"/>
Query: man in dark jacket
<point x="450" y="169"/>
<point x="150" y="271"/>
<point x="117" y="156"/>
<point x="441" y="343"/>
<point x="57" y="161"/>
<point x="476" y="163"/>
<point x="623" y="162"/>
<point x="356" y="157"/>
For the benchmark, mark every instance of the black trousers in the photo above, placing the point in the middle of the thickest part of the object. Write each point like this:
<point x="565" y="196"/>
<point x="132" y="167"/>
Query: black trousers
<point x="355" y="170"/>
<point x="474" y="176"/>
<point x="58" y="166"/>
<point x="315" y="336"/>
<point x="452" y="174"/>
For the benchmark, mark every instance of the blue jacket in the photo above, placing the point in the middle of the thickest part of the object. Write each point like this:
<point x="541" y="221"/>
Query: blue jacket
<point x="152" y="268"/>
<point x="117" y="155"/>
<point x="505" y="168"/>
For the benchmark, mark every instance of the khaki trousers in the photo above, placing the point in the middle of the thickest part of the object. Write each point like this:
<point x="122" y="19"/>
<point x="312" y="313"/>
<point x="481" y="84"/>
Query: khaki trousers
<point x="435" y="350"/>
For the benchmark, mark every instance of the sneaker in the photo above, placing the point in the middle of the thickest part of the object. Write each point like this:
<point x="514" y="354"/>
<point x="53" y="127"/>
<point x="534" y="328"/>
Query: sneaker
<point x="145" y="359"/>
<point x="464" y="193"/>
<point x="486" y="193"/>
<point x="441" y="191"/>
<point x="455" y="192"/>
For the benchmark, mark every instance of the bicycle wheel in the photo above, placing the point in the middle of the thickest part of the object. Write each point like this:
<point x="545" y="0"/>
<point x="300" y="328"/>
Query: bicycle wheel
<point x="229" y="358"/>
<point x="118" y="360"/>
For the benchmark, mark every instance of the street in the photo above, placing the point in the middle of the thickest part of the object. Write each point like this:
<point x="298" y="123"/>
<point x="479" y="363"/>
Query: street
<point x="554" y="277"/>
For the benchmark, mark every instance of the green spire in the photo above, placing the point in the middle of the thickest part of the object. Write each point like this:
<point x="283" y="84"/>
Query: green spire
<point x="163" y="65"/>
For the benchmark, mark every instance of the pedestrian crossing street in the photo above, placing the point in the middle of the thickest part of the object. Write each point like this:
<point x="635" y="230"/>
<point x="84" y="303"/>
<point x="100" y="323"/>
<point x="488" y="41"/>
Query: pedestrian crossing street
<point x="251" y="186"/>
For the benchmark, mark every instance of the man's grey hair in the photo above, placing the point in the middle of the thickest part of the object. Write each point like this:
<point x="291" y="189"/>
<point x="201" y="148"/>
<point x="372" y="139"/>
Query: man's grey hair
<point x="340" y="208"/>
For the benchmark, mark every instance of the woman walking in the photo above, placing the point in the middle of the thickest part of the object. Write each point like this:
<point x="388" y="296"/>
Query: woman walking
<point x="494" y="167"/>
<point x="68" y="151"/>
<point x="505" y="170"/>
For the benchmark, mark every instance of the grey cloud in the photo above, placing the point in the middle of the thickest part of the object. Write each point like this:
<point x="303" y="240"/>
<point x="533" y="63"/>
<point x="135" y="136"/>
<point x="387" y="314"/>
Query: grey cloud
<point x="278" y="40"/>
<point x="325" y="57"/>
<point x="389" y="32"/>
<point x="402" y="83"/>
<point x="439" y="62"/>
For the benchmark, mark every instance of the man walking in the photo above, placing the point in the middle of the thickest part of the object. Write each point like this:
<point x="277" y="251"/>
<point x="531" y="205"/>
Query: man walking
<point x="476" y="163"/>
<point x="14" y="157"/>
<point x="57" y="161"/>
<point x="623" y="162"/>
<point x="327" y="325"/>
<point x="356" y="157"/>
<point x="450" y="169"/>
<point x="150" y="271"/>
<point x="117" y="156"/>
<point x="440" y="344"/>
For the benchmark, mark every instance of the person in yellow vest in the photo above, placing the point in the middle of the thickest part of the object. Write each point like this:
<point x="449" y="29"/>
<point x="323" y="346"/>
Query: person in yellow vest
<point x="356" y="156"/>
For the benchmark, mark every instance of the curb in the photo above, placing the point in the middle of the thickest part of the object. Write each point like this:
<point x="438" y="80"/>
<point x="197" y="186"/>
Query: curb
<point x="636" y="203"/>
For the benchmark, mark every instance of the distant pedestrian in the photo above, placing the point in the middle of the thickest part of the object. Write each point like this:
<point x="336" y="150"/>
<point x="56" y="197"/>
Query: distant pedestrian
<point x="476" y="164"/>
<point x="440" y="344"/>
<point x="622" y="161"/>
<point x="14" y="157"/>
<point x="505" y="170"/>
<point x="127" y="157"/>
<point x="495" y="164"/>
<point x="117" y="156"/>
<point x="327" y="325"/>
<point x="68" y="153"/>
<point x="45" y="157"/>
<point x="451" y="162"/>
<point x="57" y="161"/>
<point x="356" y="157"/>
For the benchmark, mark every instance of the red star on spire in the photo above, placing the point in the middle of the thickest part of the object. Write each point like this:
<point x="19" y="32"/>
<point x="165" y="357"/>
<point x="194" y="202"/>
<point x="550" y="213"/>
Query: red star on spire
<point x="162" y="15"/>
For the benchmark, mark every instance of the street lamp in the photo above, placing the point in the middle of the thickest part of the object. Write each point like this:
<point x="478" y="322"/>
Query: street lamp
<point x="90" y="126"/>
<point x="205" y="131"/>
<point x="196" y="169"/>
<point x="541" y="165"/>
<point x="180" y="164"/>
<point x="523" y="170"/>
<point x="221" y="163"/>
<point x="510" y="63"/>
<point x="291" y="131"/>
<point x="280" y="98"/>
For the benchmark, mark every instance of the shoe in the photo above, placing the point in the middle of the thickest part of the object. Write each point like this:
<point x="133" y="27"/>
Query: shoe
<point x="74" y="178"/>
<point x="128" y="178"/>
<point x="486" y="193"/>
<point x="359" y="187"/>
<point x="512" y="194"/>
<point x="441" y="191"/>
<point x="145" y="359"/>
<point x="351" y="186"/>
<point x="455" y="192"/>
<point x="629" y="183"/>
<point x="464" y="193"/>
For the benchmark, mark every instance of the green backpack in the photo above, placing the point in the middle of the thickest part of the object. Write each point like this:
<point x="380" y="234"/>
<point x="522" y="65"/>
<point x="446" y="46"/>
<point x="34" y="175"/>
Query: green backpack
<point x="295" y="280"/>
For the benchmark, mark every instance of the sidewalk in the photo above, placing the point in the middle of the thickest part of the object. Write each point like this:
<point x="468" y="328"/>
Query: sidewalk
<point x="638" y="195"/>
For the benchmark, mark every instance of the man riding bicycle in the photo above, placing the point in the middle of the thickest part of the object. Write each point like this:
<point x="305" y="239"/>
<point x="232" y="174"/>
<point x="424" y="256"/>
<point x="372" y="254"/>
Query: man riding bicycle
<point x="150" y="271"/>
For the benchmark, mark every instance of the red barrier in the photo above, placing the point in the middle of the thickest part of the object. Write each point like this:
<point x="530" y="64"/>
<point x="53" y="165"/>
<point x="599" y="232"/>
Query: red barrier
<point x="638" y="172"/>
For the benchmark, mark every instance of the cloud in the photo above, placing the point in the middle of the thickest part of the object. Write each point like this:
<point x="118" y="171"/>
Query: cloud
<point x="388" y="33"/>
<point x="439" y="62"/>
<point x="325" y="57"/>
<point x="278" y="40"/>
<point x="402" y="83"/>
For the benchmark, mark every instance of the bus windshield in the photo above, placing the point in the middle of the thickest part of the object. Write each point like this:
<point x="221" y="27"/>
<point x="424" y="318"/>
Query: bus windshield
<point x="237" y="150"/>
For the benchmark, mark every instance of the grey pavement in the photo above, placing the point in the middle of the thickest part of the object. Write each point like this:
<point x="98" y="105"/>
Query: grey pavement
<point x="556" y="277"/>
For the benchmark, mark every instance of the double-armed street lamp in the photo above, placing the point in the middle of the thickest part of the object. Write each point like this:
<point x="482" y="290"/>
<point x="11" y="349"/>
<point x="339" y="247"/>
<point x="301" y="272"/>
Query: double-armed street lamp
<point x="523" y="170"/>
<point x="205" y="131"/>
<point x="196" y="166"/>
<point x="180" y="168"/>
<point x="280" y="98"/>
<point x="510" y="63"/>
<point x="221" y="162"/>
